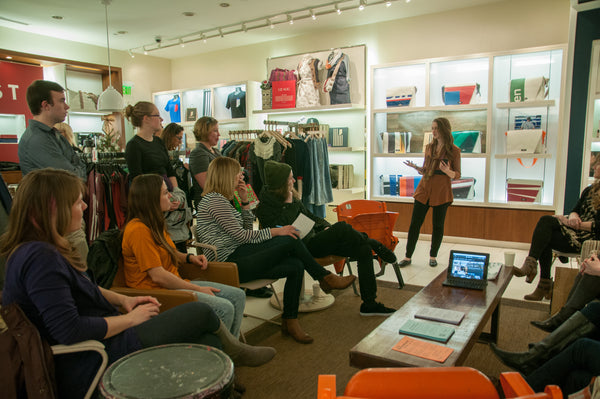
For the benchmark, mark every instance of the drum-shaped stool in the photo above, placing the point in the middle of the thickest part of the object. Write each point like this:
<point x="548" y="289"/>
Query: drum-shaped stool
<point x="170" y="371"/>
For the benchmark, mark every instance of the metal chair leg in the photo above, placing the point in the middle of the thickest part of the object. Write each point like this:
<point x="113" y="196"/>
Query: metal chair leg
<point x="350" y="272"/>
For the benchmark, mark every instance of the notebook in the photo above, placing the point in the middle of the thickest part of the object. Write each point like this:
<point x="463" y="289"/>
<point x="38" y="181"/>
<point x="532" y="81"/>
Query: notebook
<point x="467" y="270"/>
<point x="422" y="329"/>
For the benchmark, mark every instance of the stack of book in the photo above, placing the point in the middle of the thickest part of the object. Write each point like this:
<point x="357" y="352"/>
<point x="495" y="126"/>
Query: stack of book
<point x="342" y="176"/>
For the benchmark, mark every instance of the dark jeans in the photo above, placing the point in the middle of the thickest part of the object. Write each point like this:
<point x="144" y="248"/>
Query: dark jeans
<point x="342" y="240"/>
<point x="572" y="369"/>
<point x="192" y="322"/>
<point x="547" y="236"/>
<point x="585" y="289"/>
<point x="279" y="257"/>
<point x="418" y="217"/>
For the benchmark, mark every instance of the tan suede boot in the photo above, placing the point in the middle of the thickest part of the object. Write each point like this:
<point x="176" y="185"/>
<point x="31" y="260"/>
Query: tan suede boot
<point x="334" y="282"/>
<point x="292" y="328"/>
<point x="528" y="269"/>
<point x="543" y="290"/>
<point x="242" y="354"/>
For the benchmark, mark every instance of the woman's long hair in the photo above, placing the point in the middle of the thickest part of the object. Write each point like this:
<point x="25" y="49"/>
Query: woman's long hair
<point x="220" y="177"/>
<point x="143" y="203"/>
<point x="445" y="131"/>
<point x="41" y="211"/>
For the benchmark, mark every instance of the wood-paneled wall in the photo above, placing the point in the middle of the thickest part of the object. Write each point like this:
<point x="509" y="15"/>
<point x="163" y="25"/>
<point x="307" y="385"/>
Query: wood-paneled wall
<point x="477" y="222"/>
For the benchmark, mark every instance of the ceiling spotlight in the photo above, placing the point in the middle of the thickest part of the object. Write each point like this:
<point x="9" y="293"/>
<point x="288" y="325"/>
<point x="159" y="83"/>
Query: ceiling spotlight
<point x="388" y="3"/>
<point x="408" y="1"/>
<point x="8" y="57"/>
<point x="131" y="54"/>
<point x="337" y="9"/>
<point x="362" y="5"/>
<point x="181" y="43"/>
<point x="221" y="33"/>
<point x="203" y="37"/>
<point x="312" y="15"/>
<point x="290" y="19"/>
<point x="244" y="28"/>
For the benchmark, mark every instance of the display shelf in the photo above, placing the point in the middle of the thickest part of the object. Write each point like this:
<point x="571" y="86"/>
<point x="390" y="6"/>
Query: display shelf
<point x="487" y="162"/>
<point x="353" y="190"/>
<point x="527" y="104"/>
<point x="320" y="108"/>
<point x="345" y="149"/>
<point x="523" y="156"/>
<point x="88" y="113"/>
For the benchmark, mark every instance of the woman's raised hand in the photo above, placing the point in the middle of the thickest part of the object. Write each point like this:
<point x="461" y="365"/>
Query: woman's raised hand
<point x="591" y="265"/>
<point x="288" y="230"/>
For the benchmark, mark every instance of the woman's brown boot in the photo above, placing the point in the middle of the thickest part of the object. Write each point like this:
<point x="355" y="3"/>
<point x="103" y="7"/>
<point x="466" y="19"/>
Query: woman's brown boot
<point x="334" y="282"/>
<point x="528" y="269"/>
<point x="543" y="290"/>
<point x="292" y="328"/>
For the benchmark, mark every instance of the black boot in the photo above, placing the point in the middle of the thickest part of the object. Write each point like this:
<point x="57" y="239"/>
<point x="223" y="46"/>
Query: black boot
<point x="575" y="327"/>
<point x="552" y="323"/>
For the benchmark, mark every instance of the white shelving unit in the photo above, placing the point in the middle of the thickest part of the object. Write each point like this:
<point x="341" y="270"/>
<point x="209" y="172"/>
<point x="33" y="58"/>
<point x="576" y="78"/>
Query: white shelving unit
<point x="492" y="115"/>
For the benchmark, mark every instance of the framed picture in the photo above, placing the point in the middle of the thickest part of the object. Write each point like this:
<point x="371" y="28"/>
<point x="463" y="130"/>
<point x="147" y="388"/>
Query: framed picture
<point x="190" y="114"/>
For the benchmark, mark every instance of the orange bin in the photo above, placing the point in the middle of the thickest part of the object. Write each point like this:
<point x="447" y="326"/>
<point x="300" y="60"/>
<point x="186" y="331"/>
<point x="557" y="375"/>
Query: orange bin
<point x="373" y="218"/>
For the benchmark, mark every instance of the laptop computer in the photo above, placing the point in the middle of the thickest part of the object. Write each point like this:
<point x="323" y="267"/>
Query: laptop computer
<point x="467" y="270"/>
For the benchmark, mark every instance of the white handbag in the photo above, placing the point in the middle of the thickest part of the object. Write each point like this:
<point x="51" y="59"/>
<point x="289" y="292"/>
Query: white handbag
<point x="526" y="141"/>
<point x="400" y="96"/>
<point x="528" y="89"/>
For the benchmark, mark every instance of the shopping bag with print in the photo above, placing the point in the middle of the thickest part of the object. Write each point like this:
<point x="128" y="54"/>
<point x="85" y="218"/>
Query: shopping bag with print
<point x="400" y="96"/>
<point x="461" y="94"/>
<point x="528" y="89"/>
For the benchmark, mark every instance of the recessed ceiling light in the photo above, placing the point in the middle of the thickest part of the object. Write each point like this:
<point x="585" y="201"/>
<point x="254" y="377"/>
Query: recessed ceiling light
<point x="57" y="17"/>
<point x="189" y="14"/>
<point x="8" y="57"/>
<point x="224" y="5"/>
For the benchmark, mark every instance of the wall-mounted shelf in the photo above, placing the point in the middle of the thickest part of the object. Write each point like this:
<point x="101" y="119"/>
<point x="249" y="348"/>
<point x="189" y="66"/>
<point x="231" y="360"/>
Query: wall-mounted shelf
<point x="522" y="156"/>
<point x="527" y="104"/>
<point x="322" y="108"/>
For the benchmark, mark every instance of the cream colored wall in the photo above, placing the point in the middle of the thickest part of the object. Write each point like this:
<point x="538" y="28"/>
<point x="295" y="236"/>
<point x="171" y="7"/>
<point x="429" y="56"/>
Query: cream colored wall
<point x="501" y="26"/>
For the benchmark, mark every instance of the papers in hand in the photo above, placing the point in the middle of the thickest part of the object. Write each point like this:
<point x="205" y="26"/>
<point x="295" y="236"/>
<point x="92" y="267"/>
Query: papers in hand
<point x="303" y="224"/>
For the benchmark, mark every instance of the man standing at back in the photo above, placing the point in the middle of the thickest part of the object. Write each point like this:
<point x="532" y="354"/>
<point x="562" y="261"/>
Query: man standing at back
<point x="42" y="146"/>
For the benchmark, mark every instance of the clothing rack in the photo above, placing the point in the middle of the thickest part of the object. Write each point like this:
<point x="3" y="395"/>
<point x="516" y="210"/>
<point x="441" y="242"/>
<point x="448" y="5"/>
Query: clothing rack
<point x="245" y="134"/>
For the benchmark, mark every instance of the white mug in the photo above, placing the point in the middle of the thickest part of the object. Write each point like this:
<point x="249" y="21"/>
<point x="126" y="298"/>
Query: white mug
<point x="509" y="258"/>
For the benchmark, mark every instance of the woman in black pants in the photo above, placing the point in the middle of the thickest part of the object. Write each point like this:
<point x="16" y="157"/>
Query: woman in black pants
<point x="46" y="277"/>
<point x="564" y="234"/>
<point x="266" y="253"/>
<point x="441" y="165"/>
<point x="280" y="205"/>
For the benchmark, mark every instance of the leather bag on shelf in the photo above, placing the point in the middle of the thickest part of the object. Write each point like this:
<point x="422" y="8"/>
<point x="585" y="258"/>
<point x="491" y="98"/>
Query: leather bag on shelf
<point x="461" y="94"/>
<point x="400" y="96"/>
<point x="528" y="89"/>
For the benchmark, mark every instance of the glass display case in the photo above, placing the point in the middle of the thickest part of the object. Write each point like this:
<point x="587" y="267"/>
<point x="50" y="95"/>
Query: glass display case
<point x="481" y="117"/>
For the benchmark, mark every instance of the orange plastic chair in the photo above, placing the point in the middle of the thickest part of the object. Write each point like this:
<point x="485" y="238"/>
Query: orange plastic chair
<point x="373" y="218"/>
<point x="428" y="383"/>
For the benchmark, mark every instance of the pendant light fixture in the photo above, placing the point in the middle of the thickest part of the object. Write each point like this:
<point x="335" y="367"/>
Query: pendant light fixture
<point x="110" y="100"/>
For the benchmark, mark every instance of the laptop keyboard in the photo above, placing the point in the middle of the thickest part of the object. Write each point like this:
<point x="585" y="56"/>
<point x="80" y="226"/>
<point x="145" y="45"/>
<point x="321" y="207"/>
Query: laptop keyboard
<point x="468" y="283"/>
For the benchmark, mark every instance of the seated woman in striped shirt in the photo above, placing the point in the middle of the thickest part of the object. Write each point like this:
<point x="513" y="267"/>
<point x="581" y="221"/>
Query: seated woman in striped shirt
<point x="266" y="253"/>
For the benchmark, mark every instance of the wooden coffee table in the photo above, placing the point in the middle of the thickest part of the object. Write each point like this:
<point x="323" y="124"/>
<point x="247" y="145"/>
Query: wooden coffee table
<point x="375" y="350"/>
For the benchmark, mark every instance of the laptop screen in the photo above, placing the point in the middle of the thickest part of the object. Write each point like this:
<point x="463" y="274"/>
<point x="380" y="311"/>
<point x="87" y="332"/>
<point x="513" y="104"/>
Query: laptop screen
<point x="468" y="265"/>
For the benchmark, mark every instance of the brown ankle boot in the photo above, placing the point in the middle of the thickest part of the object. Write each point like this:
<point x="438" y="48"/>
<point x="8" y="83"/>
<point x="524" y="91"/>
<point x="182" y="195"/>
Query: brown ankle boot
<point x="334" y="282"/>
<point x="292" y="327"/>
<point x="543" y="290"/>
<point x="528" y="269"/>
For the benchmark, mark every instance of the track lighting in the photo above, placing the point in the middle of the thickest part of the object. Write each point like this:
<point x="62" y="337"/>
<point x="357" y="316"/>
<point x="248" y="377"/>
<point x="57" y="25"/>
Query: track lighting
<point x="290" y="19"/>
<point x="312" y="15"/>
<point x="244" y="28"/>
<point x="362" y="5"/>
<point x="338" y="9"/>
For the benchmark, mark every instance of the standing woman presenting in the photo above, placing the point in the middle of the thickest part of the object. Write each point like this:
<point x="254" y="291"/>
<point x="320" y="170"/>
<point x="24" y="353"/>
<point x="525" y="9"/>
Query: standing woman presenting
<point x="442" y="164"/>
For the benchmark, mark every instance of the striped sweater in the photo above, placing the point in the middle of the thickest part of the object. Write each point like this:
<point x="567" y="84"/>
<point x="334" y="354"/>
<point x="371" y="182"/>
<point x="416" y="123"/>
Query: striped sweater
<point x="218" y="223"/>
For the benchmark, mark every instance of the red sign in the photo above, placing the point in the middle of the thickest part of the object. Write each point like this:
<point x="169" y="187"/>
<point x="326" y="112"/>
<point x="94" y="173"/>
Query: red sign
<point x="14" y="81"/>
<point x="284" y="94"/>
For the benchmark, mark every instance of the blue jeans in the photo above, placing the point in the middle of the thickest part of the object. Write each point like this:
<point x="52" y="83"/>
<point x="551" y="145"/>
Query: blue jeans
<point x="228" y="304"/>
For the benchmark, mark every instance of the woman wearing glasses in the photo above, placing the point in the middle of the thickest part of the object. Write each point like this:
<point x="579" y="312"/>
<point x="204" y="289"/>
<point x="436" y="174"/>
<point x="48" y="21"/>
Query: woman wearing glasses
<point x="146" y="153"/>
<point x="206" y="131"/>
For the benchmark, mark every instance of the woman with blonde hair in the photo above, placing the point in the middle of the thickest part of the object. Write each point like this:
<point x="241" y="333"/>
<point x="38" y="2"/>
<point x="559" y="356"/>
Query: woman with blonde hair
<point x="266" y="253"/>
<point x="49" y="281"/>
<point x="440" y="167"/>
<point x="146" y="153"/>
<point x="206" y="132"/>
<point x="67" y="132"/>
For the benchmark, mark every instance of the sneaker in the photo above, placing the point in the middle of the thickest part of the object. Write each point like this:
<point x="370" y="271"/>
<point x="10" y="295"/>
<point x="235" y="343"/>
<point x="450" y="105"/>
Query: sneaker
<point x="375" y="309"/>
<point x="263" y="292"/>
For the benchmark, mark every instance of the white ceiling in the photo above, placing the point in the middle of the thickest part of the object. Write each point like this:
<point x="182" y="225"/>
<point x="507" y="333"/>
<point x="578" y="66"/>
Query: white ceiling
<point x="143" y="20"/>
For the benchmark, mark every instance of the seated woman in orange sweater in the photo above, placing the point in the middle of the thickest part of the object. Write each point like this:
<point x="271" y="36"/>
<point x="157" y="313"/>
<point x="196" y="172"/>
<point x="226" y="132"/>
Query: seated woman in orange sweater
<point x="151" y="259"/>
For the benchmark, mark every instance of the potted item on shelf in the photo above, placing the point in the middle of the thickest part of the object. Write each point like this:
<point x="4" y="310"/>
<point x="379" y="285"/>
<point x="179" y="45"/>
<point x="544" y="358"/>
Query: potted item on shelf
<point x="528" y="89"/>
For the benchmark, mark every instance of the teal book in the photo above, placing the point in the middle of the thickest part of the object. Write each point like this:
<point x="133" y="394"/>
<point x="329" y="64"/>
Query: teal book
<point x="422" y="329"/>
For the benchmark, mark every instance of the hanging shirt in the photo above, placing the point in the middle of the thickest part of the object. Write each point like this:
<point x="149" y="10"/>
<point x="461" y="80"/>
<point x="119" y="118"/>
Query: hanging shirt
<point x="236" y="101"/>
<point x="173" y="107"/>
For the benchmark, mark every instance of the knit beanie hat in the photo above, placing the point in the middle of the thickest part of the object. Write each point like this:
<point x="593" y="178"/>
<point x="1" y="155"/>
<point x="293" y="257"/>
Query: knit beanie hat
<point x="276" y="174"/>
